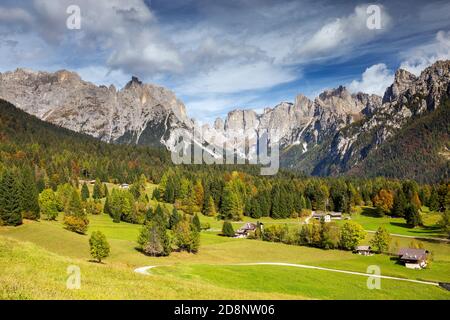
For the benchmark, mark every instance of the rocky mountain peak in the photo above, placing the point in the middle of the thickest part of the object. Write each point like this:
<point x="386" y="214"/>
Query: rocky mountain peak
<point x="402" y="81"/>
<point x="133" y="82"/>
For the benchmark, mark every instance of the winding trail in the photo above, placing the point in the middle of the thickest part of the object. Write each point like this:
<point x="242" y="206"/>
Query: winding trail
<point x="144" y="271"/>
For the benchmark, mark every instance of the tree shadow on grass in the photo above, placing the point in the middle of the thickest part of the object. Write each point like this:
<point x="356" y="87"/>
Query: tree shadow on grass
<point x="95" y="261"/>
<point x="370" y="212"/>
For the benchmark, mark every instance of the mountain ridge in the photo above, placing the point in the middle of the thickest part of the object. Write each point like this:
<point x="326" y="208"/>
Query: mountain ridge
<point x="328" y="135"/>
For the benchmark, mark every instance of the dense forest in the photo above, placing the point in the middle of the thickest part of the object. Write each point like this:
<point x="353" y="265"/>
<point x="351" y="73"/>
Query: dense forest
<point x="41" y="165"/>
<point x="420" y="150"/>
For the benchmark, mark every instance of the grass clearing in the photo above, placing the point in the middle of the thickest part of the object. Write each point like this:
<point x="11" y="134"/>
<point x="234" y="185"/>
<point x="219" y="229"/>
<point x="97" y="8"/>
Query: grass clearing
<point x="366" y="216"/>
<point x="189" y="274"/>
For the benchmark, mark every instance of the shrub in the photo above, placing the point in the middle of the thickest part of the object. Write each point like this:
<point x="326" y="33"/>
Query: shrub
<point x="227" y="229"/>
<point x="76" y="224"/>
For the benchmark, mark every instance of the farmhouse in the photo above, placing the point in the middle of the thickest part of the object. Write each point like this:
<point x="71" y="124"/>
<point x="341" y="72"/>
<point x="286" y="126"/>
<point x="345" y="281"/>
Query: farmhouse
<point x="327" y="216"/>
<point x="413" y="258"/>
<point x="246" y="229"/>
<point x="363" y="250"/>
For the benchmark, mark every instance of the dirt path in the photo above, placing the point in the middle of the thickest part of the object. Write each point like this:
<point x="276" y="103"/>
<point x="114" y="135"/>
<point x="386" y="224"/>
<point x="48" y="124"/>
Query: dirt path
<point x="144" y="271"/>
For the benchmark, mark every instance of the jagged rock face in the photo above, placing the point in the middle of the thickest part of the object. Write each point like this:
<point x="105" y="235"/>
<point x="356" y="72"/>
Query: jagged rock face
<point x="136" y="112"/>
<point x="407" y="97"/>
<point x="303" y="122"/>
<point x="328" y="135"/>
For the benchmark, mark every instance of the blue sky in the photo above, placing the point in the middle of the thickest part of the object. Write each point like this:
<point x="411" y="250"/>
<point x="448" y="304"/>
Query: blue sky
<point x="222" y="55"/>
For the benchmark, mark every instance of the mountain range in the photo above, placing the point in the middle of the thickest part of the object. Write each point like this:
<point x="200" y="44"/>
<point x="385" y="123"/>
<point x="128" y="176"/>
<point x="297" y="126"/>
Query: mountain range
<point x="403" y="134"/>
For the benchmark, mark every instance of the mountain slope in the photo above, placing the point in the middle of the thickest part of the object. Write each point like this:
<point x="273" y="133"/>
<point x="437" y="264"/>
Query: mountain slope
<point x="420" y="150"/>
<point x="336" y="133"/>
<point x="59" y="154"/>
<point x="408" y="100"/>
<point x="138" y="113"/>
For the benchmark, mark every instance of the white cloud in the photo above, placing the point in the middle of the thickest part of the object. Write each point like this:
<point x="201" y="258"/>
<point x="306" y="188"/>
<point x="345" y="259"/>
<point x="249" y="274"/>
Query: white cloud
<point x="341" y="34"/>
<point x="419" y="58"/>
<point x="231" y="78"/>
<point x="375" y="80"/>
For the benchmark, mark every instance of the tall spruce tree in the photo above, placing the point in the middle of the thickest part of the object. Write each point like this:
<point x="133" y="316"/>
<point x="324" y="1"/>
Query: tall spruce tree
<point x="210" y="207"/>
<point x="174" y="219"/>
<point x="84" y="192"/>
<point x="9" y="200"/>
<point x="196" y="223"/>
<point x="28" y="195"/>
<point x="398" y="208"/>
<point x="97" y="193"/>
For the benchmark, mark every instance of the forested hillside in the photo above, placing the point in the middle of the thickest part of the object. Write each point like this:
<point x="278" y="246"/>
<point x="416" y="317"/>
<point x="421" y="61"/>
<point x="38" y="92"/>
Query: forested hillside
<point x="419" y="151"/>
<point x="58" y="155"/>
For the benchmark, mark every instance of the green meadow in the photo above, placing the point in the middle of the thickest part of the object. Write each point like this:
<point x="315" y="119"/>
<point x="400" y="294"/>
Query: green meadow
<point x="37" y="254"/>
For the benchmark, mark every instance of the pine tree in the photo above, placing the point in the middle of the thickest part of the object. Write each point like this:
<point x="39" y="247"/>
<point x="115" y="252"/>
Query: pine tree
<point x="84" y="192"/>
<point x="308" y="203"/>
<point x="98" y="192"/>
<point x="196" y="223"/>
<point x="75" y="218"/>
<point x="154" y="239"/>
<point x="227" y="229"/>
<point x="412" y="216"/>
<point x="105" y="190"/>
<point x="9" y="201"/>
<point x="28" y="196"/>
<point x="230" y="205"/>
<point x="433" y="201"/>
<point x="106" y="208"/>
<point x="416" y="201"/>
<point x="199" y="194"/>
<point x="210" y="208"/>
<point x="398" y="208"/>
<point x="174" y="219"/>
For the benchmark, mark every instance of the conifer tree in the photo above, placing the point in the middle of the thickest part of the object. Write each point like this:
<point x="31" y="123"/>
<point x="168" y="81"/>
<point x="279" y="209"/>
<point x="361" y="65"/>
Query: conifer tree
<point x="75" y="218"/>
<point x="412" y="216"/>
<point x="433" y="201"/>
<point x="98" y="192"/>
<point x="210" y="207"/>
<point x="84" y="192"/>
<point x="199" y="194"/>
<point x="398" y="208"/>
<point x="196" y="223"/>
<point x="230" y="205"/>
<point x="106" y="208"/>
<point x="9" y="201"/>
<point x="174" y="219"/>
<point x="28" y="195"/>
<point x="227" y="229"/>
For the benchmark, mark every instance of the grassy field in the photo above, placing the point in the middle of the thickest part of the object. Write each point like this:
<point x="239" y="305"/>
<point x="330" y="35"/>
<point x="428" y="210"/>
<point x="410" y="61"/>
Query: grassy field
<point x="47" y="248"/>
<point x="367" y="217"/>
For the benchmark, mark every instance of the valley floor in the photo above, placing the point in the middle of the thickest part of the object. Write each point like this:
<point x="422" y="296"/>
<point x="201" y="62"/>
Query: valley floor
<point x="34" y="259"/>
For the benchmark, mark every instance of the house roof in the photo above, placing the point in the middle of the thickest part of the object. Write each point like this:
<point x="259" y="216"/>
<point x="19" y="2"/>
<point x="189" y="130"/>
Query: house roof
<point x="249" y="226"/>
<point x="363" y="248"/>
<point x="412" y="254"/>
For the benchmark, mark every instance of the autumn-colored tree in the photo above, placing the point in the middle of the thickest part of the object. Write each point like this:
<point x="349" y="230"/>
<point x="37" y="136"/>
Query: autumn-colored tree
<point x="199" y="194"/>
<point x="415" y="201"/>
<point x="384" y="201"/>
